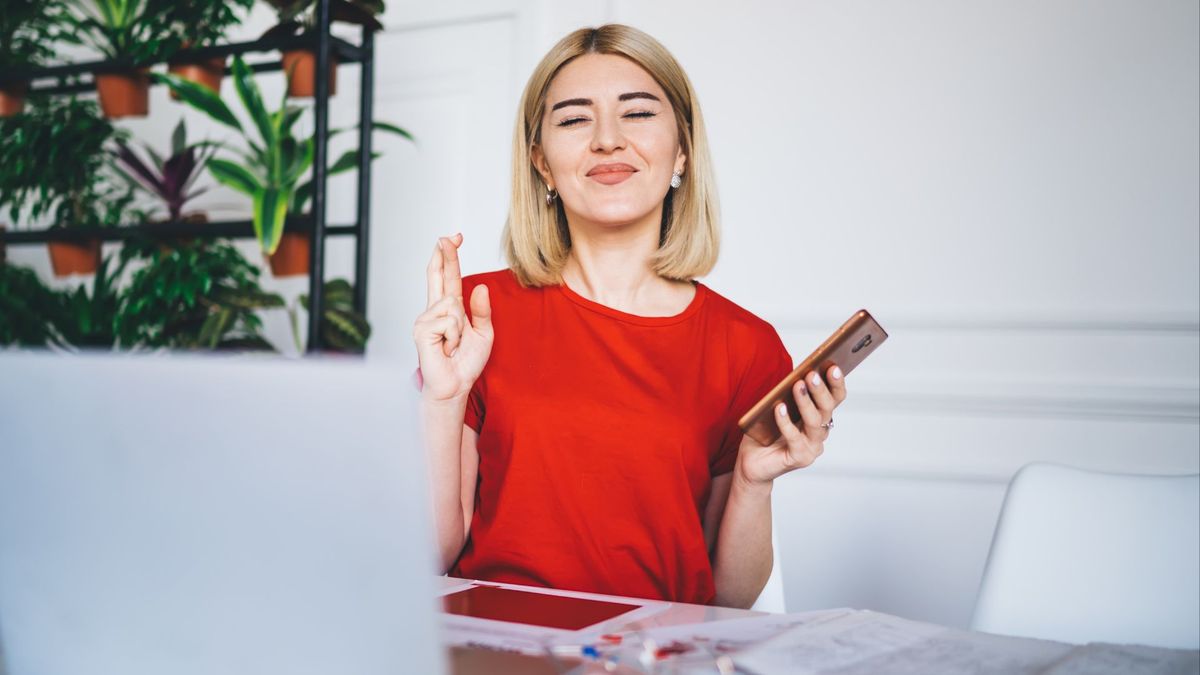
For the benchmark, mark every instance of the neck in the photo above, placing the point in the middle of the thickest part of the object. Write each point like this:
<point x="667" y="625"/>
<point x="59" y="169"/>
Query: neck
<point x="610" y="264"/>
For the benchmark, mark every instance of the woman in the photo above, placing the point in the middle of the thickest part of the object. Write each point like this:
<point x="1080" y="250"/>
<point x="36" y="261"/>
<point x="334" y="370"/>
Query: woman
<point x="581" y="411"/>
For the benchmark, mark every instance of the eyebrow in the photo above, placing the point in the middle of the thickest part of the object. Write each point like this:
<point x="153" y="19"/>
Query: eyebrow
<point x="623" y="97"/>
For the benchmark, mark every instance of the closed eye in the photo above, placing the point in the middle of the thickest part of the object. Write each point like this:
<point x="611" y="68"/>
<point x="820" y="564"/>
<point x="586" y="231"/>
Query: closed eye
<point x="641" y="114"/>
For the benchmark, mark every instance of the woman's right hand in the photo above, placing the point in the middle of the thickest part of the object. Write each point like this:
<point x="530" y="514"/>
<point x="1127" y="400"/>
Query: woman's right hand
<point x="452" y="350"/>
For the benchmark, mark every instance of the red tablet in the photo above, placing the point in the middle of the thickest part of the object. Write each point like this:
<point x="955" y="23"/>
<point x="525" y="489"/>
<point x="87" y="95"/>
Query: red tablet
<point x="535" y="609"/>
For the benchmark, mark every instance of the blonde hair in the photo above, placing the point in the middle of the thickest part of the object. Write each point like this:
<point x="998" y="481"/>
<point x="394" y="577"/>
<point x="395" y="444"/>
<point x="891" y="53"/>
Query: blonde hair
<point x="536" y="240"/>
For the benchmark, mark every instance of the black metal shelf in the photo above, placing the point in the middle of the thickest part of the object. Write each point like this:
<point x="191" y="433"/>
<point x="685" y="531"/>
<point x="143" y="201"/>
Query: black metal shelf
<point x="231" y="229"/>
<point x="77" y="77"/>
<point x="82" y="73"/>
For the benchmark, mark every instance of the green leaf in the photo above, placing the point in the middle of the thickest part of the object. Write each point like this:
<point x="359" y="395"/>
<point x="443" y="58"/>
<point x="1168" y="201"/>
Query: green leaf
<point x="199" y="97"/>
<point x="350" y="327"/>
<point x="348" y="161"/>
<point x="301" y="196"/>
<point x="248" y="91"/>
<point x="270" y="210"/>
<point x="214" y="327"/>
<point x="179" y="138"/>
<point x="394" y="129"/>
<point x="300" y="163"/>
<point x="339" y="292"/>
<point x="235" y="176"/>
<point x="248" y="299"/>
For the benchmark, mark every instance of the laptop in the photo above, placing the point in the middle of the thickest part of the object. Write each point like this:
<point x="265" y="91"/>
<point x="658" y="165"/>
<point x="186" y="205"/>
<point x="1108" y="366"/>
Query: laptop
<point x="212" y="515"/>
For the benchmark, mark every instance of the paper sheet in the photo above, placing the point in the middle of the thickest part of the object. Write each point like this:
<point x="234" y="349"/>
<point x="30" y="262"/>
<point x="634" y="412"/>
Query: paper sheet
<point x="866" y="643"/>
<point x="1106" y="659"/>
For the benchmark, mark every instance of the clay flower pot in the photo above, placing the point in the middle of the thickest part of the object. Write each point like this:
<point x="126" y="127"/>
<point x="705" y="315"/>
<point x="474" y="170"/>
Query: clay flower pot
<point x="301" y="68"/>
<point x="124" y="94"/>
<point x="292" y="257"/>
<point x="12" y="98"/>
<point x="69" y="257"/>
<point x="207" y="73"/>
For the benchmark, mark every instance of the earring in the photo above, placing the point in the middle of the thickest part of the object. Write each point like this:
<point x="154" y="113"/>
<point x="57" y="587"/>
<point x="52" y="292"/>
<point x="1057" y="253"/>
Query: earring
<point x="551" y="195"/>
<point x="676" y="181"/>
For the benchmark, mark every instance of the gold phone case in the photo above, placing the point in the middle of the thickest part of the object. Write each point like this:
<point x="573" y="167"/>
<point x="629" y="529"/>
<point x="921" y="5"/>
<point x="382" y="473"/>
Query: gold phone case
<point x="846" y="348"/>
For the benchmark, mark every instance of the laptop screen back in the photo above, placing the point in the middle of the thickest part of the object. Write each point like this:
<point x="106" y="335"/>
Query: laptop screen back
<point x="164" y="515"/>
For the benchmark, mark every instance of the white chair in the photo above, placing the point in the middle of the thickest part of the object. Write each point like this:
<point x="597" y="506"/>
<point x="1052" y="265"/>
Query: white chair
<point x="1080" y="556"/>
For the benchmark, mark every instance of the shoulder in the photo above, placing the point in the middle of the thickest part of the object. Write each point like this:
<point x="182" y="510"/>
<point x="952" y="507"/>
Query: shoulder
<point x="498" y="282"/>
<point x="743" y="325"/>
<point x="503" y="290"/>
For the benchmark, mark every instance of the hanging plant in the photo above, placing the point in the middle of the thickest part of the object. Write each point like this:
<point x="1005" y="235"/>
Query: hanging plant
<point x="54" y="164"/>
<point x="170" y="180"/>
<point x="299" y="17"/>
<point x="28" y="31"/>
<point x="342" y="327"/>
<point x="276" y="159"/>
<point x="135" y="32"/>
<point x="198" y="24"/>
<point x="24" y="305"/>
<point x="193" y="296"/>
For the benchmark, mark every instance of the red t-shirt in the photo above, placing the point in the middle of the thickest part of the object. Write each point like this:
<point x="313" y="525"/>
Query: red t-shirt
<point x="599" y="435"/>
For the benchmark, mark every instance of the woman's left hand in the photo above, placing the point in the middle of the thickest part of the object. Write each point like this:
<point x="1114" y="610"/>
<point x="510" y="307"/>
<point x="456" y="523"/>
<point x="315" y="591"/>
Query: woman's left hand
<point x="798" y="446"/>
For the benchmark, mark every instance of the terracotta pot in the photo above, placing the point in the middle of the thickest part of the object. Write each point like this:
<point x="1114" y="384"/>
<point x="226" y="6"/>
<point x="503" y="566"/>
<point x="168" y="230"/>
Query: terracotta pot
<point x="69" y="257"/>
<point x="292" y="257"/>
<point x="12" y="99"/>
<point x="125" y="94"/>
<point x="168" y="244"/>
<point x="207" y="73"/>
<point x="301" y="67"/>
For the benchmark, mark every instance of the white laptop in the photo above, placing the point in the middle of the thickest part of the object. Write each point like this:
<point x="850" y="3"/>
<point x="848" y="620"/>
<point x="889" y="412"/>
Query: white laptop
<point x="217" y="516"/>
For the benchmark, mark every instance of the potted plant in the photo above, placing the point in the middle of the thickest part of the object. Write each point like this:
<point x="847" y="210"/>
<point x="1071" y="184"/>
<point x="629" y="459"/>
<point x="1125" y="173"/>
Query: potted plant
<point x="168" y="179"/>
<point x="54" y="163"/>
<point x="133" y="32"/>
<point x="28" y="30"/>
<point x="89" y="320"/>
<point x="343" y="328"/>
<point x="275" y="161"/>
<point x="193" y="296"/>
<point x="297" y="17"/>
<point x="201" y="23"/>
<point x="25" y="306"/>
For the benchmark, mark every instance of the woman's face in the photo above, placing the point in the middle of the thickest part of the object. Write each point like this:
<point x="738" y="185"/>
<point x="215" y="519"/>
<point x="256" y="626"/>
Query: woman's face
<point x="609" y="141"/>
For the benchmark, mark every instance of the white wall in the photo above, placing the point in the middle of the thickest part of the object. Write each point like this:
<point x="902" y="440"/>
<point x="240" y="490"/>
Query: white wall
<point x="1011" y="188"/>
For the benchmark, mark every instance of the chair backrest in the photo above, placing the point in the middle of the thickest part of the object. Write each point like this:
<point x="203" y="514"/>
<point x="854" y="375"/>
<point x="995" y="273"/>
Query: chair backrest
<point x="1080" y="556"/>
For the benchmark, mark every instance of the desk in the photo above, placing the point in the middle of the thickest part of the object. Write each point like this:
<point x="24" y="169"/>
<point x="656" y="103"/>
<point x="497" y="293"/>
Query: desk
<point x="845" y="641"/>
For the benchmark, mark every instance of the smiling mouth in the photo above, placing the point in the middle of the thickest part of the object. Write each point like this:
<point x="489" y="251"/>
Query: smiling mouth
<point x="611" y="174"/>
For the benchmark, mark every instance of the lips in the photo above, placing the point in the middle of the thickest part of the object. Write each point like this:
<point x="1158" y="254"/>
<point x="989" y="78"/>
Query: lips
<point x="611" y="173"/>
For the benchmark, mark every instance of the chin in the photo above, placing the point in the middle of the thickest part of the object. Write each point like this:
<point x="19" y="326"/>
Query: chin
<point x="617" y="214"/>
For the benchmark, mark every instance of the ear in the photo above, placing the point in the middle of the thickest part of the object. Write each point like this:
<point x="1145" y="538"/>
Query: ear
<point x="680" y="161"/>
<point x="539" y="162"/>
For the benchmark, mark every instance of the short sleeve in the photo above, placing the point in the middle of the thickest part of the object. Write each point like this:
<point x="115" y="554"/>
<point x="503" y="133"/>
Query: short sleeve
<point x="476" y="410"/>
<point x="768" y="364"/>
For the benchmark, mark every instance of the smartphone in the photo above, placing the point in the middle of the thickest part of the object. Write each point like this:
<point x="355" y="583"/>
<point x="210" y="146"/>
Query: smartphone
<point x="846" y="348"/>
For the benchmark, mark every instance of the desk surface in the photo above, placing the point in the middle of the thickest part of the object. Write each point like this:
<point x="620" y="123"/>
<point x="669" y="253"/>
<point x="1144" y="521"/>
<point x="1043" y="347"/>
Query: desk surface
<point x="843" y="640"/>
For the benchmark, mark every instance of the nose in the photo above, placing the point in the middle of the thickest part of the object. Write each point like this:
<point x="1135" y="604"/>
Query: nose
<point x="607" y="136"/>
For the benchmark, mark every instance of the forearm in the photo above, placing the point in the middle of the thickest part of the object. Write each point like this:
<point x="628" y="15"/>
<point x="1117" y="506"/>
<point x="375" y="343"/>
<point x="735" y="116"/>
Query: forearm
<point x="743" y="558"/>
<point x="443" y="425"/>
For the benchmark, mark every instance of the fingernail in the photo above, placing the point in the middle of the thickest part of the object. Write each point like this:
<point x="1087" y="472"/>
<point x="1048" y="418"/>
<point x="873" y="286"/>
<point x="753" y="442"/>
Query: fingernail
<point x="836" y="373"/>
<point x="816" y="380"/>
<point x="781" y="409"/>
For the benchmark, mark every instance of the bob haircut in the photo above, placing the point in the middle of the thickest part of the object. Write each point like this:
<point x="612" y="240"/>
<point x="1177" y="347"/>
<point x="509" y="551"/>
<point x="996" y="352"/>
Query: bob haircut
<point x="536" y="240"/>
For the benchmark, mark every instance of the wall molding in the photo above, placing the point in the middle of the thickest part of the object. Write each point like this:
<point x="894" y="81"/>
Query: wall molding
<point x="1176" y="323"/>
